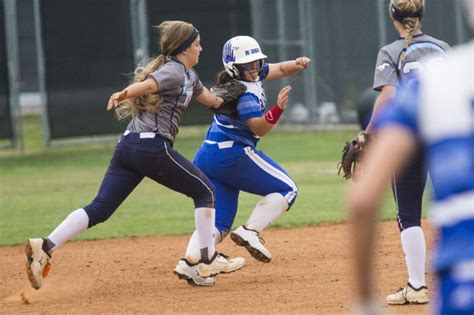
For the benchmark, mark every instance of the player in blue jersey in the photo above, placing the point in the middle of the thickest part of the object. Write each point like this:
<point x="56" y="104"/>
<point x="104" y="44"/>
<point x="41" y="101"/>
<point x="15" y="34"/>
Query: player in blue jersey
<point x="438" y="111"/>
<point x="229" y="157"/>
<point x="397" y="62"/>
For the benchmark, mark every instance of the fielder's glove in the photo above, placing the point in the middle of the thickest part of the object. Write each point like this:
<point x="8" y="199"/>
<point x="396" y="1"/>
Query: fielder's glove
<point x="229" y="91"/>
<point x="352" y="154"/>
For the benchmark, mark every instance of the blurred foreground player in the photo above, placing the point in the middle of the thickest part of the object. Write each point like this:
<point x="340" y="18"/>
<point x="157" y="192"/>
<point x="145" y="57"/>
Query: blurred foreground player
<point x="437" y="110"/>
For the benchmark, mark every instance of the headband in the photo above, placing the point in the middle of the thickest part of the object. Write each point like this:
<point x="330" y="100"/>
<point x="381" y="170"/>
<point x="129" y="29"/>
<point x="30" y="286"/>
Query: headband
<point x="185" y="45"/>
<point x="400" y="15"/>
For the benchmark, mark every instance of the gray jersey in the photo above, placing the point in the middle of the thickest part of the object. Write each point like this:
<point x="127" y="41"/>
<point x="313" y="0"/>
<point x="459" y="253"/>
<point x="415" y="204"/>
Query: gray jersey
<point x="390" y="70"/>
<point x="177" y="86"/>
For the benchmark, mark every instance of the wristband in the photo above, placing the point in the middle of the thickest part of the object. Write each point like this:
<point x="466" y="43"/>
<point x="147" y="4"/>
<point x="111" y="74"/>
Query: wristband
<point x="273" y="114"/>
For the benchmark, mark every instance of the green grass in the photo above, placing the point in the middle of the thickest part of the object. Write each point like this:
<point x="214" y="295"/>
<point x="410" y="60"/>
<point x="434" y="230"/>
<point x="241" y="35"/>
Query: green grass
<point x="40" y="187"/>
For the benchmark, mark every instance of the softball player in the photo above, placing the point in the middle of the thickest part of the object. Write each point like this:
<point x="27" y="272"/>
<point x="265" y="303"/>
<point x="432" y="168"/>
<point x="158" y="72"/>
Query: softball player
<point x="396" y="64"/>
<point x="156" y="101"/>
<point x="228" y="155"/>
<point x="439" y="110"/>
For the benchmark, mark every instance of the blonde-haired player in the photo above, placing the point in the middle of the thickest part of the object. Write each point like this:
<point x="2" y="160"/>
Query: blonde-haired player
<point x="397" y="63"/>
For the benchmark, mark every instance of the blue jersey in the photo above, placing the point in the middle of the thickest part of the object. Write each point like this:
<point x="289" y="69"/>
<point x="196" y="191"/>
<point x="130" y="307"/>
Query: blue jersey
<point x="251" y="104"/>
<point x="439" y="110"/>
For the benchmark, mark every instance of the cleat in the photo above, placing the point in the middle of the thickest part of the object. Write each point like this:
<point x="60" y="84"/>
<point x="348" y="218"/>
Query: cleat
<point x="220" y="263"/>
<point x="252" y="241"/>
<point x="409" y="295"/>
<point x="37" y="264"/>
<point x="189" y="272"/>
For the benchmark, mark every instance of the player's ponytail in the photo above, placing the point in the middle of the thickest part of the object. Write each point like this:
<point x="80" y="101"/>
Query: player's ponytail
<point x="409" y="14"/>
<point x="173" y="34"/>
<point x="146" y="103"/>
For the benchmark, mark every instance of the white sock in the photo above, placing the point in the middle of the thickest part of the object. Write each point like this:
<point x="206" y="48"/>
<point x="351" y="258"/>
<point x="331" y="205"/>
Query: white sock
<point x="414" y="247"/>
<point x="76" y="222"/>
<point x="266" y="211"/>
<point x="205" y="219"/>
<point x="193" y="251"/>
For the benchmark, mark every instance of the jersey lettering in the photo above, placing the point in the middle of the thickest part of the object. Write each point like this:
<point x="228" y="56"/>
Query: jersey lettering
<point x="383" y="66"/>
<point x="410" y="66"/>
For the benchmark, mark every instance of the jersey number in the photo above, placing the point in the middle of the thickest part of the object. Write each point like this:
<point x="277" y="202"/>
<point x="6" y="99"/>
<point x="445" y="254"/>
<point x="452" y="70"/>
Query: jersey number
<point x="410" y="66"/>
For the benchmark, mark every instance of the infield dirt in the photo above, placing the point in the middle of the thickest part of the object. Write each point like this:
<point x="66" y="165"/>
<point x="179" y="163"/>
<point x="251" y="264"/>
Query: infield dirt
<point x="311" y="272"/>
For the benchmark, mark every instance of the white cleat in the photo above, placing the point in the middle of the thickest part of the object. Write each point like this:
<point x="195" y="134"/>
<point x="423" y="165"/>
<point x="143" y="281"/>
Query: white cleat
<point x="409" y="295"/>
<point x="220" y="263"/>
<point x="189" y="272"/>
<point x="37" y="264"/>
<point x="252" y="241"/>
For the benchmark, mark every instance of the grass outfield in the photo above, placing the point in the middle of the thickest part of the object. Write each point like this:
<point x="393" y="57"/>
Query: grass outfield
<point x="41" y="187"/>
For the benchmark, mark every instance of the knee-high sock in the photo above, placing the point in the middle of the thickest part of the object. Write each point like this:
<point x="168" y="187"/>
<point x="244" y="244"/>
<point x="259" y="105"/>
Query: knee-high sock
<point x="266" y="211"/>
<point x="205" y="219"/>
<point x="75" y="223"/>
<point x="414" y="247"/>
<point x="193" y="251"/>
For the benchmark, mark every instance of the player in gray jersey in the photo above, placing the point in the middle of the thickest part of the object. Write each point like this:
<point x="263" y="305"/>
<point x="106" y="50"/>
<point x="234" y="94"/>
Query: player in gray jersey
<point x="397" y="62"/>
<point x="161" y="91"/>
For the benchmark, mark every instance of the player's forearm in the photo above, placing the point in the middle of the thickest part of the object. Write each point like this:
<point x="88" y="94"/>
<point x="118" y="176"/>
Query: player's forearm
<point x="138" y="89"/>
<point x="148" y="86"/>
<point x="262" y="125"/>
<point x="259" y="126"/>
<point x="362" y="235"/>
<point x="290" y="68"/>
<point x="209" y="99"/>
<point x="366" y="195"/>
<point x="364" y="199"/>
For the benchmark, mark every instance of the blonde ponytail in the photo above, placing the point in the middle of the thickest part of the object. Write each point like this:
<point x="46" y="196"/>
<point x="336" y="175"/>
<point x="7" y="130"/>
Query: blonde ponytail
<point x="146" y="103"/>
<point x="172" y="35"/>
<point x="411" y="25"/>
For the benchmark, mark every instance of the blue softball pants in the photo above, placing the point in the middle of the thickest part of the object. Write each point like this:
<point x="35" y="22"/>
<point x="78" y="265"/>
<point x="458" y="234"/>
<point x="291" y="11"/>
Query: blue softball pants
<point x="241" y="168"/>
<point x="139" y="155"/>
<point x="408" y="187"/>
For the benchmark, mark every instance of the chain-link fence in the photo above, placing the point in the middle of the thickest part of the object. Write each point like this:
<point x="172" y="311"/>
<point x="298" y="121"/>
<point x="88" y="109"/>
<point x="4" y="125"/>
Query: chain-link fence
<point x="342" y="38"/>
<point x="80" y="60"/>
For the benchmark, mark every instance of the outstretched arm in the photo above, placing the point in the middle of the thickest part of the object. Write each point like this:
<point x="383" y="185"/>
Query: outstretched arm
<point x="148" y="86"/>
<point x="209" y="99"/>
<point x="287" y="68"/>
<point x="384" y="158"/>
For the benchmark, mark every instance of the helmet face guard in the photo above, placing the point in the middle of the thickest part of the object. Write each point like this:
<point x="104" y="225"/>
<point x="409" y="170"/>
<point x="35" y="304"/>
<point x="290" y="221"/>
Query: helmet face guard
<point x="238" y="53"/>
<point x="253" y="65"/>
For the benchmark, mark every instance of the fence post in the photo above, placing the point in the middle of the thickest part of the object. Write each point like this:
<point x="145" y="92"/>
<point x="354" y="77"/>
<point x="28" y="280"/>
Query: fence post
<point x="13" y="72"/>
<point x="139" y="24"/>
<point x="41" y="73"/>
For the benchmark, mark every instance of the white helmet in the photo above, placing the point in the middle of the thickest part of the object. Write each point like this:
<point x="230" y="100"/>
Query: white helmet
<point x="239" y="50"/>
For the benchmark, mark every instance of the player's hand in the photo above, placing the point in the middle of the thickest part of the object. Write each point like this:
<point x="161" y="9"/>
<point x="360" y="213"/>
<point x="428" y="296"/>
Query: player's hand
<point x="219" y="102"/>
<point x="116" y="98"/>
<point x="302" y="62"/>
<point x="283" y="97"/>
